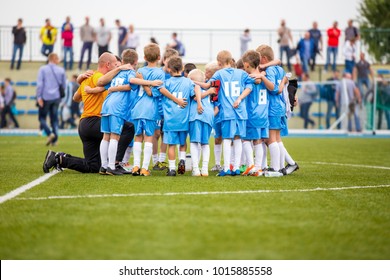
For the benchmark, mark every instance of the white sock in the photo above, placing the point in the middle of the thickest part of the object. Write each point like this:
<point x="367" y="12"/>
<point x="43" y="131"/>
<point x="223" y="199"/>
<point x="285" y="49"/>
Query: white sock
<point x="227" y="150"/>
<point x="137" y="150"/>
<point x="148" y="150"/>
<point x="126" y="157"/>
<point x="282" y="154"/>
<point x="217" y="153"/>
<point x="288" y="158"/>
<point x="248" y="151"/>
<point x="205" y="157"/>
<point x="182" y="155"/>
<point x="237" y="145"/>
<point x="194" y="148"/>
<point x="154" y="158"/>
<point x="200" y="151"/>
<point x="258" y="156"/>
<point x="275" y="155"/>
<point x="264" y="161"/>
<point x="172" y="164"/>
<point x="162" y="157"/>
<point x="232" y="155"/>
<point x="112" y="149"/>
<point x="243" y="159"/>
<point x="104" y="153"/>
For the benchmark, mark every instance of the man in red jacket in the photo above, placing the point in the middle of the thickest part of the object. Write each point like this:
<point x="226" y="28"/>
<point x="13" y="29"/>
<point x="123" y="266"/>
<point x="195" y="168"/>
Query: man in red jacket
<point x="333" y="45"/>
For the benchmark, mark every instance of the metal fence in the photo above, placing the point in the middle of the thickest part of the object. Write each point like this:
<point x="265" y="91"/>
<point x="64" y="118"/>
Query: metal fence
<point x="202" y="45"/>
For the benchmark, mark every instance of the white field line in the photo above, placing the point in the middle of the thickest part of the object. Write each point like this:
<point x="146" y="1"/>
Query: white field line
<point x="26" y="187"/>
<point x="43" y="178"/>
<point x="200" y="193"/>
<point x="352" y="165"/>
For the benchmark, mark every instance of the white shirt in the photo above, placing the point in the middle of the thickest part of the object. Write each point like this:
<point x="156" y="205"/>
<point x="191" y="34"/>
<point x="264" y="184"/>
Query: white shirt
<point x="132" y="40"/>
<point x="349" y="51"/>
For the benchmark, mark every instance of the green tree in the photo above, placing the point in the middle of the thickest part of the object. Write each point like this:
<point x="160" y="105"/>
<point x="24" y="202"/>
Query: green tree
<point x="375" y="28"/>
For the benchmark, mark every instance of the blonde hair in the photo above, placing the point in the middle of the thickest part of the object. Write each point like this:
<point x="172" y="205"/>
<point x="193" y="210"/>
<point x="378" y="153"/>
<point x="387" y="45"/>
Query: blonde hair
<point x="266" y="51"/>
<point x="169" y="52"/>
<point x="224" y="57"/>
<point x="196" y="75"/>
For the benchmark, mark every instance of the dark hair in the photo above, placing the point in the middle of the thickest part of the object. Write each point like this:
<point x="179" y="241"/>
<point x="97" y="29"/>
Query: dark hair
<point x="175" y="64"/>
<point x="188" y="67"/>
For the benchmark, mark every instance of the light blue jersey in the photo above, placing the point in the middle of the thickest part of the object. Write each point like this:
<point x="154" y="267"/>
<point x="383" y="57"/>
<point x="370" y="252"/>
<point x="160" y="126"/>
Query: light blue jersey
<point x="117" y="102"/>
<point x="146" y="107"/>
<point x="277" y="105"/>
<point x="233" y="82"/>
<point x="208" y="111"/>
<point x="257" y="103"/>
<point x="175" y="117"/>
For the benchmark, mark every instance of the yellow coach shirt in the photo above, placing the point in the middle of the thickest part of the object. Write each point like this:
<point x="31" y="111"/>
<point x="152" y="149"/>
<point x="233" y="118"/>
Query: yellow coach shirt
<point x="93" y="102"/>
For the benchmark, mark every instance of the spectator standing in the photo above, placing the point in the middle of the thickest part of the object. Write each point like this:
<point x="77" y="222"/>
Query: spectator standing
<point x="87" y="36"/>
<point x="362" y="73"/>
<point x="132" y="39"/>
<point x="351" y="32"/>
<point x="9" y="98"/>
<point x="103" y="37"/>
<point x="306" y="50"/>
<point x="67" y="21"/>
<point x="122" y="31"/>
<point x="19" y="40"/>
<point x="383" y="104"/>
<point x="50" y="77"/>
<point x="348" y="95"/>
<point x="245" y="38"/>
<point x="48" y="36"/>
<point x="309" y="92"/>
<point x="285" y="37"/>
<point x="333" y="45"/>
<point x="349" y="52"/>
<point x="177" y="45"/>
<point x="316" y="35"/>
<point x="329" y="93"/>
<point x="67" y="36"/>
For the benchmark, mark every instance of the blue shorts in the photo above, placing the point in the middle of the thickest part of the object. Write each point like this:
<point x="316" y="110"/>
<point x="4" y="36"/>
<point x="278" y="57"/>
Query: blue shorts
<point x="111" y="124"/>
<point x="217" y="130"/>
<point x="232" y="128"/>
<point x="131" y="143"/>
<point x="256" y="133"/>
<point x="159" y="124"/>
<point x="284" y="131"/>
<point x="175" y="137"/>
<point x="144" y="125"/>
<point x="277" y="123"/>
<point x="200" y="132"/>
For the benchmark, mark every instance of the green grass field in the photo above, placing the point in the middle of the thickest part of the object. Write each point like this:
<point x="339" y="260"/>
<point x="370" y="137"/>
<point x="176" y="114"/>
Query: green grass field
<point x="337" y="210"/>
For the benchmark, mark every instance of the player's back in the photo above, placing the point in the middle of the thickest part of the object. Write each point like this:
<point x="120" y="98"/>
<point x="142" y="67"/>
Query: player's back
<point x="92" y="102"/>
<point x="146" y="107"/>
<point x="277" y="105"/>
<point x="257" y="103"/>
<point x="176" y="118"/>
<point x="233" y="82"/>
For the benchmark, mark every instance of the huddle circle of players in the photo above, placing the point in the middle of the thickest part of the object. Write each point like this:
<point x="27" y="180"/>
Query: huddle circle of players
<point x="247" y="106"/>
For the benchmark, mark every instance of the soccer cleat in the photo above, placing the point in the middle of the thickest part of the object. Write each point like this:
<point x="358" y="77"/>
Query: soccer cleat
<point x="272" y="173"/>
<point x="145" y="172"/>
<point x="136" y="171"/>
<point x="103" y="171"/>
<point x="115" y="171"/>
<point x="196" y="172"/>
<point x="50" y="161"/>
<point x="160" y="166"/>
<point x="126" y="166"/>
<point x="257" y="173"/>
<point x="243" y="168"/>
<point x="236" y="172"/>
<point x="204" y="172"/>
<point x="224" y="173"/>
<point x="217" y="167"/>
<point x="248" y="171"/>
<point x="181" y="168"/>
<point x="171" y="172"/>
<point x="291" y="168"/>
<point x="283" y="171"/>
<point x="122" y="169"/>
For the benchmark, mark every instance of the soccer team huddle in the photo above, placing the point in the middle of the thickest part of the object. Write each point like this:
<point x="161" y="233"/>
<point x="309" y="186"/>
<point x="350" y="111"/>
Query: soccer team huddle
<point x="247" y="108"/>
